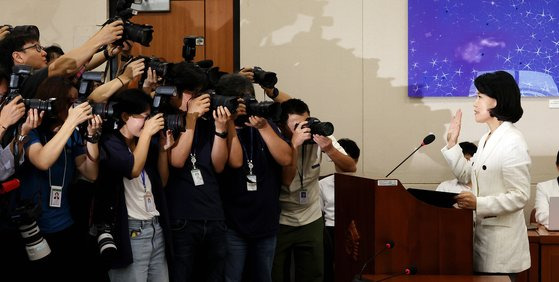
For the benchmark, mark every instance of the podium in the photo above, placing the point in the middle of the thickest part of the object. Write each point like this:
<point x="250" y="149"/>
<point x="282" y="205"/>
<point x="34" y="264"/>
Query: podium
<point x="369" y="212"/>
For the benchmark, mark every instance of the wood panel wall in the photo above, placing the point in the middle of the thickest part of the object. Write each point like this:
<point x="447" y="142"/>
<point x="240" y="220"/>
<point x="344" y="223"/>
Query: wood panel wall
<point x="212" y="19"/>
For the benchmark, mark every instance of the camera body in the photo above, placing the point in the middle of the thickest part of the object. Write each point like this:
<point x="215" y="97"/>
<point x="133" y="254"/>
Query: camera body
<point x="19" y="74"/>
<point x="174" y="120"/>
<point x="318" y="127"/>
<point x="141" y="33"/>
<point x="265" y="109"/>
<point x="216" y="100"/>
<point x="87" y="82"/>
<point x="264" y="78"/>
<point x="25" y="217"/>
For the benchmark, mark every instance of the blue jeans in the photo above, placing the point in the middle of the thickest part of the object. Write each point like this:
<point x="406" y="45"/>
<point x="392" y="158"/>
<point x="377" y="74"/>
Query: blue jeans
<point x="199" y="248"/>
<point x="148" y="252"/>
<point x="254" y="255"/>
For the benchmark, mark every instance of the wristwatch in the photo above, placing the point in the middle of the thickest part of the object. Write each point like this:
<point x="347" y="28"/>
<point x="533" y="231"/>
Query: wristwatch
<point x="22" y="138"/>
<point x="221" y="134"/>
<point x="93" y="138"/>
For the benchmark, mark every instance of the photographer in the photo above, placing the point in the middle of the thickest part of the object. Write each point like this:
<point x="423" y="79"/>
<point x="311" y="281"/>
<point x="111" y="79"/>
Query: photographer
<point x="271" y="91"/>
<point x="195" y="207"/>
<point x="251" y="186"/>
<point x="135" y="168"/>
<point x="57" y="153"/>
<point x="301" y="224"/>
<point x="22" y="47"/>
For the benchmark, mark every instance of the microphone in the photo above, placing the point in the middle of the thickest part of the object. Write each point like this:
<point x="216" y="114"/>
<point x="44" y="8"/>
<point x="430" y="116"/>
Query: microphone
<point x="426" y="141"/>
<point x="359" y="277"/>
<point x="8" y="186"/>
<point x="412" y="270"/>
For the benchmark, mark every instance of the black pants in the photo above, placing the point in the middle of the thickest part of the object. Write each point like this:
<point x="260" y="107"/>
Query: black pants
<point x="329" y="247"/>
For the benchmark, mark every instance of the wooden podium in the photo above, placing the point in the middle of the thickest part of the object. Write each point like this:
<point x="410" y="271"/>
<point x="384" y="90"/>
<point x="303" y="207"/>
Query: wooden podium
<point x="370" y="212"/>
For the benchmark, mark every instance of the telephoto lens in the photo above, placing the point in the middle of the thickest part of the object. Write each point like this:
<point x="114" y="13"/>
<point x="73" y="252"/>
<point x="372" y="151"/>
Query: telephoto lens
<point x="46" y="106"/>
<point x="175" y="122"/>
<point x="104" y="110"/>
<point x="265" y="109"/>
<point x="35" y="245"/>
<point x="229" y="102"/>
<point x="105" y="242"/>
<point x="264" y="78"/>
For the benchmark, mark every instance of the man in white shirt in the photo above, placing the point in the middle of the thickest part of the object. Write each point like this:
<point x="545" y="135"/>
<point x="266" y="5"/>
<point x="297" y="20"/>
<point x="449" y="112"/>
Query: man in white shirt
<point x="327" y="205"/>
<point x="546" y="190"/>
<point x="453" y="186"/>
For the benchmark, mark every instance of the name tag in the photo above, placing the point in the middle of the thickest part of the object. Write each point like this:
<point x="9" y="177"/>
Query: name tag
<point x="55" y="196"/>
<point x="303" y="199"/>
<point x="251" y="182"/>
<point x="197" y="177"/>
<point x="148" y="200"/>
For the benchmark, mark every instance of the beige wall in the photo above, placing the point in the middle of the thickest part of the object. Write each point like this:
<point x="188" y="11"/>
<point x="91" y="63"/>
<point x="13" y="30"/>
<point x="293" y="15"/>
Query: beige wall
<point x="348" y="61"/>
<point x="68" y="23"/>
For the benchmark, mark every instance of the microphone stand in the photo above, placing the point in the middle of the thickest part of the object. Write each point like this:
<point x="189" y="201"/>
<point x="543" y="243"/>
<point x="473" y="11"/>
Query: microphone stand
<point x="405" y="160"/>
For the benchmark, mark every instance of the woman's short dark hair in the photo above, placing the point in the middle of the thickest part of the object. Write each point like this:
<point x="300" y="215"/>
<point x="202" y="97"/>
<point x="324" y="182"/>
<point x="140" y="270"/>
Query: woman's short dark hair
<point x="350" y="147"/>
<point x="234" y="85"/>
<point x="131" y="101"/>
<point x="501" y="86"/>
<point x="468" y="148"/>
<point x="55" y="87"/>
<point x="51" y="50"/>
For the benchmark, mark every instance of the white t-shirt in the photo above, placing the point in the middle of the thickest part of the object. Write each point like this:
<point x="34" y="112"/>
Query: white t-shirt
<point x="327" y="199"/>
<point x="134" y="193"/>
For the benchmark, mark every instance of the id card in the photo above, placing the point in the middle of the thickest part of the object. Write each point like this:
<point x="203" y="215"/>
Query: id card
<point x="197" y="177"/>
<point x="148" y="200"/>
<point x="251" y="182"/>
<point x="303" y="199"/>
<point x="55" y="196"/>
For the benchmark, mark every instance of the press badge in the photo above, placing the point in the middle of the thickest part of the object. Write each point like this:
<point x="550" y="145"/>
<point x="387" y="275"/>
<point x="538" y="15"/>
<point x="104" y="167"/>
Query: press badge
<point x="303" y="198"/>
<point x="251" y="182"/>
<point x="148" y="200"/>
<point x="55" y="196"/>
<point x="197" y="177"/>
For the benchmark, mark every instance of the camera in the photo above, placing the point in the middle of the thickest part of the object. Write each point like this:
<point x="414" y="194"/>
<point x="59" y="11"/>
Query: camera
<point x="25" y="217"/>
<point x="19" y="74"/>
<point x="141" y="33"/>
<point x="318" y="127"/>
<point x="266" y="109"/>
<point x="87" y="82"/>
<point x="105" y="241"/>
<point x="229" y="102"/>
<point x="174" y="120"/>
<point x="264" y="78"/>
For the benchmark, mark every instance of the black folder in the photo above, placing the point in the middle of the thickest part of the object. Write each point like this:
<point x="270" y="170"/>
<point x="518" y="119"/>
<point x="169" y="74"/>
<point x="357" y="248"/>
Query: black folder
<point x="435" y="198"/>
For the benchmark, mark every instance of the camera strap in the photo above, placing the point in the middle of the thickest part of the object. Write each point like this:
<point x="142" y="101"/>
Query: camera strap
<point x="56" y="190"/>
<point x="195" y="172"/>
<point x="251" y="177"/>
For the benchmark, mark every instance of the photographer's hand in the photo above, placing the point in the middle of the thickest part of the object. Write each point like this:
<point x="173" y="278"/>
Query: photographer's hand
<point x="12" y="112"/>
<point x="109" y="33"/>
<point x="247" y="72"/>
<point x="221" y="116"/>
<point x="241" y="109"/>
<point x="166" y="140"/>
<point x="132" y="70"/>
<point x="323" y="142"/>
<point x="4" y="31"/>
<point x="199" y="105"/>
<point x="94" y="125"/>
<point x="32" y="121"/>
<point x="257" y="122"/>
<point x="300" y="134"/>
<point x="152" y="81"/>
<point x="78" y="114"/>
<point x="153" y="125"/>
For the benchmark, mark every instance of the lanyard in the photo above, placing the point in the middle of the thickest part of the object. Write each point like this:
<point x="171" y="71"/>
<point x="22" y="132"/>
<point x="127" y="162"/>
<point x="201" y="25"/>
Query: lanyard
<point x="193" y="149"/>
<point x="302" y="167"/>
<point x="65" y="162"/>
<point x="245" y="151"/>
<point x="143" y="176"/>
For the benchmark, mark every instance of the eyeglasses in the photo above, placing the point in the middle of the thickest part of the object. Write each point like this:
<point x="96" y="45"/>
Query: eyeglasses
<point x="37" y="47"/>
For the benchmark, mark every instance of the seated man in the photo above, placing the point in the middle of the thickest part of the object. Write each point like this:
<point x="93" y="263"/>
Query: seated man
<point x="453" y="186"/>
<point x="546" y="190"/>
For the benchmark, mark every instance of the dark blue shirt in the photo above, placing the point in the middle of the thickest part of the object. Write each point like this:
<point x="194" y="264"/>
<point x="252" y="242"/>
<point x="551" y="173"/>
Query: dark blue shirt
<point x="187" y="201"/>
<point x="35" y="182"/>
<point x="253" y="214"/>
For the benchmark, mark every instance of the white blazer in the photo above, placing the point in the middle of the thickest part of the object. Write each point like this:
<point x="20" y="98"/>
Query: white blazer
<point x="545" y="190"/>
<point x="500" y="177"/>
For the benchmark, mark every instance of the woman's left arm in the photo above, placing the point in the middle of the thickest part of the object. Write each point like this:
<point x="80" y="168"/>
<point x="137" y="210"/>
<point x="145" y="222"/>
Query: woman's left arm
<point x="88" y="163"/>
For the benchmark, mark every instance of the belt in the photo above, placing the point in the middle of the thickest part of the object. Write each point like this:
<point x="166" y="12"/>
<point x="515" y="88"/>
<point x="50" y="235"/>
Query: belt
<point x="153" y="220"/>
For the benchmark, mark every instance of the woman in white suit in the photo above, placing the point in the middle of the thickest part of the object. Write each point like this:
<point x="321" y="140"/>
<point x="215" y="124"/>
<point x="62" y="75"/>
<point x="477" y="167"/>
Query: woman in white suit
<point x="545" y="190"/>
<point x="500" y="177"/>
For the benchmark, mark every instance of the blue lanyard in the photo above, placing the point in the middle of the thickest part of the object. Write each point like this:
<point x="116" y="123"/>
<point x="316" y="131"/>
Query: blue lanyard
<point x="143" y="176"/>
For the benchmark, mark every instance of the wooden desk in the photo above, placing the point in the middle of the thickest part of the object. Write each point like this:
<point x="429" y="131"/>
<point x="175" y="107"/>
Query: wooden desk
<point x="439" y="278"/>
<point x="544" y="254"/>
